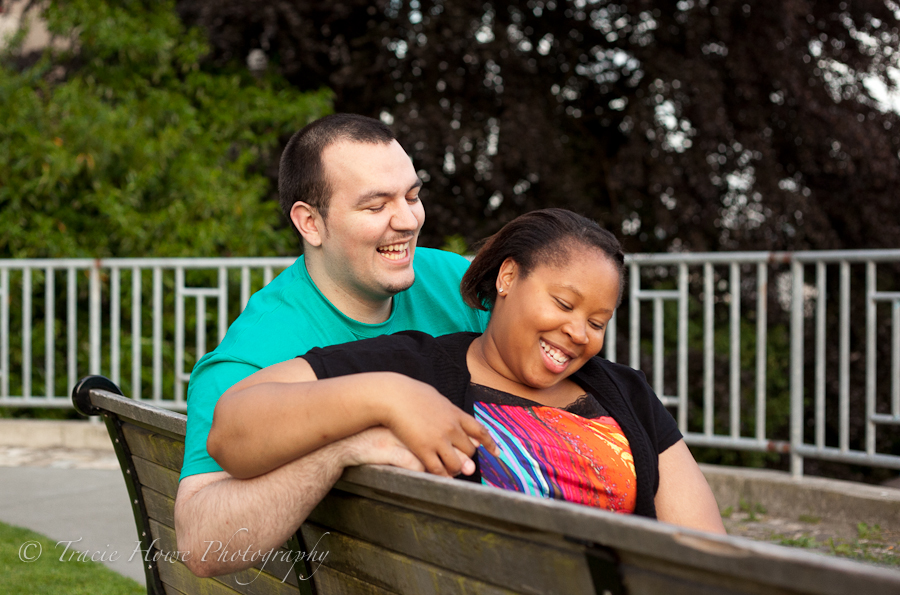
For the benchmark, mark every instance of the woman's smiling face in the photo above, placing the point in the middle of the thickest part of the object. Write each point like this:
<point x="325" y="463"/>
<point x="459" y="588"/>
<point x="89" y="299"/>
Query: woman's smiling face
<point x="547" y="324"/>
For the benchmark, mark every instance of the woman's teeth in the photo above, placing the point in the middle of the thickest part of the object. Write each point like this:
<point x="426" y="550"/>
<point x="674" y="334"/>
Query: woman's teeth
<point x="394" y="251"/>
<point x="554" y="353"/>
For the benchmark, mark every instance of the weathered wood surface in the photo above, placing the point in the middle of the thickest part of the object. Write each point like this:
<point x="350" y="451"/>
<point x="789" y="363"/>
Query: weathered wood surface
<point x="161" y="449"/>
<point x="509" y="559"/>
<point x="276" y="577"/>
<point x="383" y="530"/>
<point x="742" y="565"/>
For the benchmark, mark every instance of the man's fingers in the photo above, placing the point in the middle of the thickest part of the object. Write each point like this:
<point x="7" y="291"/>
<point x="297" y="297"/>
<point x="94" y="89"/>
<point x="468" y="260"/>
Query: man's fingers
<point x="468" y="465"/>
<point x="405" y="459"/>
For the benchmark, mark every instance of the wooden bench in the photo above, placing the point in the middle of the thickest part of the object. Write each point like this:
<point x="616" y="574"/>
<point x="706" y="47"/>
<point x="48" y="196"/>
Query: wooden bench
<point x="384" y="530"/>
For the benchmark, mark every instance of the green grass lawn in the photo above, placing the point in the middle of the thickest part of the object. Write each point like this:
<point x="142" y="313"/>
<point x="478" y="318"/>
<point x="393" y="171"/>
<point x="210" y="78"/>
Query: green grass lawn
<point x="48" y="574"/>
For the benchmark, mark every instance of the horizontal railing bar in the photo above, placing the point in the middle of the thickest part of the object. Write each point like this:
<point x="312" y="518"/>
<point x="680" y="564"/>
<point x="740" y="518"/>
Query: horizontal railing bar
<point x="184" y="262"/>
<point x="200" y="291"/>
<point x="808" y="256"/>
<point x="652" y="294"/>
<point x="885" y="419"/>
<point x="40" y="401"/>
<point x="43" y="263"/>
<point x="885" y="296"/>
<point x="65" y="402"/>
<point x="741" y="443"/>
<point x="831" y="453"/>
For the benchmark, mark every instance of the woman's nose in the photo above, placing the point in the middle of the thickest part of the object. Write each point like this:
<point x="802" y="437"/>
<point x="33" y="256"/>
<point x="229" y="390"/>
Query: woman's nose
<point x="577" y="331"/>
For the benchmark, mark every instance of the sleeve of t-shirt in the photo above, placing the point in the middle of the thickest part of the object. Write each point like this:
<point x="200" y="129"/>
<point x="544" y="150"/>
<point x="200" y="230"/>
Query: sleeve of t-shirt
<point x="209" y="381"/>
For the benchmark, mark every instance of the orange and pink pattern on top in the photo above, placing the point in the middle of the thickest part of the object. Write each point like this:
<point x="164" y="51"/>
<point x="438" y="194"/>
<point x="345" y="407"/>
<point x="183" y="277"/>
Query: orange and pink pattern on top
<point x="549" y="452"/>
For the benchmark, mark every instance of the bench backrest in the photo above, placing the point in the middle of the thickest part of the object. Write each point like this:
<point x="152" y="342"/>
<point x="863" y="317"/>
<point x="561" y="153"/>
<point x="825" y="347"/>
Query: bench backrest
<point x="384" y="530"/>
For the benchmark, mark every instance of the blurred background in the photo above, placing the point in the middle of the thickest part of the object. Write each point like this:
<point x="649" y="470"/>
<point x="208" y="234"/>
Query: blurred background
<point x="691" y="125"/>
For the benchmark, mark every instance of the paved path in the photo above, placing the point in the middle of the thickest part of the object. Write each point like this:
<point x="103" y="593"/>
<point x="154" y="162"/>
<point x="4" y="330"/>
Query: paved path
<point x="71" y="495"/>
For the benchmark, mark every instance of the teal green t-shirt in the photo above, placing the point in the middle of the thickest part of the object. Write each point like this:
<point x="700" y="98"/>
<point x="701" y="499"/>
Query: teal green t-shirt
<point x="290" y="316"/>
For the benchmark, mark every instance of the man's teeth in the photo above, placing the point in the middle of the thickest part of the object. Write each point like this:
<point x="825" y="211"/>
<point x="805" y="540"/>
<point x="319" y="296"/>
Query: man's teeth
<point x="394" y="251"/>
<point x="554" y="353"/>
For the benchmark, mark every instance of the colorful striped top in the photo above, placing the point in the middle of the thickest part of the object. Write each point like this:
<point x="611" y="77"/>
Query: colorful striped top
<point x="578" y="454"/>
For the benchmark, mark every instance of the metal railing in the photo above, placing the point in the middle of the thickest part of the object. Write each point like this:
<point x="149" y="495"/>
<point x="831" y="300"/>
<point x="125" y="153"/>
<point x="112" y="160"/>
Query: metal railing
<point x="738" y="345"/>
<point x="162" y="302"/>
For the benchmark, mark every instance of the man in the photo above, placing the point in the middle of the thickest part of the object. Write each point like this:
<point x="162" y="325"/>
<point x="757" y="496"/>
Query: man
<point x="352" y="194"/>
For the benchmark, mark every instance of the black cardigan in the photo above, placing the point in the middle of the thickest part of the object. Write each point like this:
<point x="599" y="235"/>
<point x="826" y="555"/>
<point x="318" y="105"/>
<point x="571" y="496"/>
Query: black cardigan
<point x="441" y="363"/>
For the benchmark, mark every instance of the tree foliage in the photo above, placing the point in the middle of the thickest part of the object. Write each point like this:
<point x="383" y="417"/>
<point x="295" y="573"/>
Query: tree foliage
<point x="127" y="145"/>
<point x="696" y="124"/>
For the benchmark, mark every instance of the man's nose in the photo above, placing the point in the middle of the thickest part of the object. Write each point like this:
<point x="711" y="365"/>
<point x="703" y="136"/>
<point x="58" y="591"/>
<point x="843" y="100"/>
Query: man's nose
<point x="404" y="218"/>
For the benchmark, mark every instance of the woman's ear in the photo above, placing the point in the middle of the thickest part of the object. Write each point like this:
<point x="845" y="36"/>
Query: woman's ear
<point x="505" y="276"/>
<point x="308" y="222"/>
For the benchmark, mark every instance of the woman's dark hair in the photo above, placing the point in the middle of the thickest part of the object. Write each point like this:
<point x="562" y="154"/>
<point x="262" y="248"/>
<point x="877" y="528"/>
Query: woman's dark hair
<point x="539" y="237"/>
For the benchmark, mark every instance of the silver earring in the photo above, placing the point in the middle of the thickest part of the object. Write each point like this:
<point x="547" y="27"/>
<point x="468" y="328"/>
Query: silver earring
<point x="500" y="290"/>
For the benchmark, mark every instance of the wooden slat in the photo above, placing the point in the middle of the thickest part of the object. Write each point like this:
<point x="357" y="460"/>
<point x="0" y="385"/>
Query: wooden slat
<point x="159" y="507"/>
<point x="643" y="574"/>
<point x="478" y="552"/>
<point x="256" y="581"/>
<point x="164" y="421"/>
<point x="388" y="570"/>
<point x="181" y="578"/>
<point x="156" y="477"/>
<point x="332" y="582"/>
<point x="154" y="447"/>
<point x="642" y="580"/>
<point x="277" y="569"/>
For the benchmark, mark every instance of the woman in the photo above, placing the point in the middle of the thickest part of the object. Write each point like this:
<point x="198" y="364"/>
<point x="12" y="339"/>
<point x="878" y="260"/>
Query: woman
<point x="555" y="420"/>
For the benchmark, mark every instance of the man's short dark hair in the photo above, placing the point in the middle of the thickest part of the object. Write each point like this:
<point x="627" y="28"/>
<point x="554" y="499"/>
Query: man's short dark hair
<point x="301" y="175"/>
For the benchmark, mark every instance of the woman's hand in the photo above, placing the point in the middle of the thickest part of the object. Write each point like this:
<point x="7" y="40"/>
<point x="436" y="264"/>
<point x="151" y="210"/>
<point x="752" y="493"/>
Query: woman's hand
<point x="282" y="413"/>
<point x="684" y="497"/>
<point x="438" y="432"/>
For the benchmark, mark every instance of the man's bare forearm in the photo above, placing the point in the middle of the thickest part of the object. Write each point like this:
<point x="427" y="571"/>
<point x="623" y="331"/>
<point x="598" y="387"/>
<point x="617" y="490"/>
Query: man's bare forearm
<point x="217" y="515"/>
<point x="263" y="512"/>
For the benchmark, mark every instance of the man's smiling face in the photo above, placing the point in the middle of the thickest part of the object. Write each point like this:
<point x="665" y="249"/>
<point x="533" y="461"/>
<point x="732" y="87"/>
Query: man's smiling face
<point x="373" y="221"/>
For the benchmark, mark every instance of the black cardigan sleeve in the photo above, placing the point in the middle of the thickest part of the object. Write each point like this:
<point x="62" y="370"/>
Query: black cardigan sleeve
<point x="656" y="419"/>
<point x="411" y="353"/>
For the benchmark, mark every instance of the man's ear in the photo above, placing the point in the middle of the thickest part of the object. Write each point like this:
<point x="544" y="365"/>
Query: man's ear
<point x="308" y="222"/>
<point x="509" y="270"/>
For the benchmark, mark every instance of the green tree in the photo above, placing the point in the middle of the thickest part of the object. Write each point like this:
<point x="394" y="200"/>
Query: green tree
<point x="126" y="144"/>
<point x="689" y="124"/>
